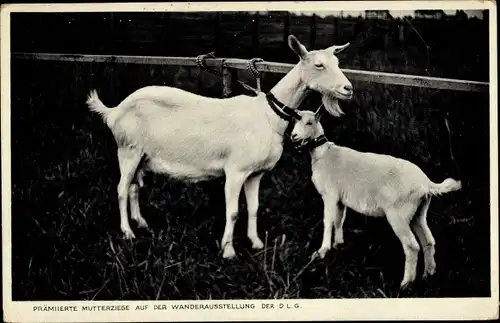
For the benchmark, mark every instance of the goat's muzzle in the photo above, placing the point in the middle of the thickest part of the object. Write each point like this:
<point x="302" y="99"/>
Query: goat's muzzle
<point x="344" y="96"/>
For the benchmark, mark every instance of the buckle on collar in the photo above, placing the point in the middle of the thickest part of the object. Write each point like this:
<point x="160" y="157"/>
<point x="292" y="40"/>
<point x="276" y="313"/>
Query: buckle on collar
<point x="300" y="146"/>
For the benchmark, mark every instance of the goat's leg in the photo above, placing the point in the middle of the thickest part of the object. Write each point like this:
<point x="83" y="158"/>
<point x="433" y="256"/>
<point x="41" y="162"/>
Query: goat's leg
<point x="128" y="159"/>
<point x="251" y="187"/>
<point x="332" y="213"/>
<point x="398" y="218"/>
<point x="232" y="190"/>
<point x="139" y="176"/>
<point x="135" y="212"/>
<point x="424" y="235"/>
<point x="338" y="223"/>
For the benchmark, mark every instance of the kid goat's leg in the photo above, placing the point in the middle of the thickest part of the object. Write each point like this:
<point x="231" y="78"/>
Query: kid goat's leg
<point x="398" y="218"/>
<point x="232" y="190"/>
<point x="128" y="159"/>
<point x="251" y="187"/>
<point x="419" y="225"/>
<point x="333" y="213"/>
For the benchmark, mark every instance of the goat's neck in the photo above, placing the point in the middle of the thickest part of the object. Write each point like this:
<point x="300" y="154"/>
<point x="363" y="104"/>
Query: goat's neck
<point x="290" y="91"/>
<point x="318" y="152"/>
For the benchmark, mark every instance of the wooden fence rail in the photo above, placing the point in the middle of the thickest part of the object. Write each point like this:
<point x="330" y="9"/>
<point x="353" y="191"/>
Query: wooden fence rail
<point x="272" y="67"/>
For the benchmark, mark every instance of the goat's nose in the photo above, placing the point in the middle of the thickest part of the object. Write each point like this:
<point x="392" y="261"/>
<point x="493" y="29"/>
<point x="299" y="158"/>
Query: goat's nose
<point x="294" y="136"/>
<point x="348" y="87"/>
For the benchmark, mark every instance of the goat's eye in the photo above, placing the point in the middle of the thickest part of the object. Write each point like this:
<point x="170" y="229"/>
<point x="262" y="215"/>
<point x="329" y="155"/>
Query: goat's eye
<point x="320" y="66"/>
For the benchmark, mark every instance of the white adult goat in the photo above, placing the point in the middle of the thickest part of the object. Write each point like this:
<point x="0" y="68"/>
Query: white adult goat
<point x="371" y="184"/>
<point x="192" y="138"/>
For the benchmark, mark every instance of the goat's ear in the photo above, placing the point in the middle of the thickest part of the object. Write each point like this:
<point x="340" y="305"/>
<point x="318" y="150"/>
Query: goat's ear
<point x="297" y="46"/>
<point x="337" y="49"/>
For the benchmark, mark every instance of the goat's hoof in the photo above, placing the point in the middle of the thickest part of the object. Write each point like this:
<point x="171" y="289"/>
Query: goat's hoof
<point x="229" y="253"/>
<point x="337" y="245"/>
<point x="257" y="244"/>
<point x="141" y="223"/>
<point x="322" y="253"/>
<point x="128" y="234"/>
<point x="428" y="273"/>
<point x="318" y="254"/>
<point x="404" y="286"/>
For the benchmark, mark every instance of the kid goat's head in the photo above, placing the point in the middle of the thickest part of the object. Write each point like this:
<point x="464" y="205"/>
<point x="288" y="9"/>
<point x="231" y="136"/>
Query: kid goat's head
<point x="320" y="71"/>
<point x="307" y="128"/>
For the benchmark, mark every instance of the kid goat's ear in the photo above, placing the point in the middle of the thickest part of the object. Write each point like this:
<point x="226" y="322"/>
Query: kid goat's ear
<point x="319" y="113"/>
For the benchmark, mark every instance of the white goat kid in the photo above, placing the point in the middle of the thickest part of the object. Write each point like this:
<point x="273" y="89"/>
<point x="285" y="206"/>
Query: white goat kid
<point x="371" y="184"/>
<point x="191" y="138"/>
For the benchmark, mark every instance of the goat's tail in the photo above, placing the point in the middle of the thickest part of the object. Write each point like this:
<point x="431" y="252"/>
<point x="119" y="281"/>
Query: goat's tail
<point x="448" y="185"/>
<point x="95" y="104"/>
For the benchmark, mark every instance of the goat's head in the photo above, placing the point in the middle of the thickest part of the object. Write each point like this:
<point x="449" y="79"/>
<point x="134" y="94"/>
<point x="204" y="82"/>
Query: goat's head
<point x="320" y="71"/>
<point x="307" y="128"/>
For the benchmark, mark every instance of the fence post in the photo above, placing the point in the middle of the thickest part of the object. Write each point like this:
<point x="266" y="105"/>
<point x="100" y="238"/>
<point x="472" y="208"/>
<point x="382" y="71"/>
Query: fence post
<point x="335" y="28"/>
<point x="111" y="30"/>
<point x="401" y="30"/>
<point x="255" y="36"/>
<point x="312" y="40"/>
<point x="168" y="34"/>
<point x="217" y="32"/>
<point x="286" y="29"/>
<point x="229" y="75"/>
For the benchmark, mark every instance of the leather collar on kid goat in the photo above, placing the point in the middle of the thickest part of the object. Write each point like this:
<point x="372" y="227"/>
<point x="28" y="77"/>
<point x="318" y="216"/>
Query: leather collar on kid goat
<point x="312" y="144"/>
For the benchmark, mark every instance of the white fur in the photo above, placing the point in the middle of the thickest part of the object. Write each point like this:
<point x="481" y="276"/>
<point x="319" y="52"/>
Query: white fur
<point x="375" y="185"/>
<point x="192" y="138"/>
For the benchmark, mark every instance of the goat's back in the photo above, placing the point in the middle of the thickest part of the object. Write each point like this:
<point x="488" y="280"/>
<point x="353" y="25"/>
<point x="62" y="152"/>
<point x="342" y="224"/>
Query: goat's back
<point x="169" y="96"/>
<point x="368" y="180"/>
<point x="185" y="132"/>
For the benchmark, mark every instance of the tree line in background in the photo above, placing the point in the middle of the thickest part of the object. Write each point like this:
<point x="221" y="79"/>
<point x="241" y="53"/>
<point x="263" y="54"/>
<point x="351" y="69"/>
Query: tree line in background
<point x="452" y="46"/>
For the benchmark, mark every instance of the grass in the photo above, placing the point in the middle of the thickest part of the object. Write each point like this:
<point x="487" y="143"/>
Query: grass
<point x="67" y="243"/>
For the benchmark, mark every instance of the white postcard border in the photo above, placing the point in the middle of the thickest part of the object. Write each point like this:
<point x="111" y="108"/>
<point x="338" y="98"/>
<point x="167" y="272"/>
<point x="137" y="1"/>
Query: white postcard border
<point x="291" y="310"/>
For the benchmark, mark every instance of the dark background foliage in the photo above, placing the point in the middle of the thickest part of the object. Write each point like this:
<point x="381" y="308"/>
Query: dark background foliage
<point x="65" y="224"/>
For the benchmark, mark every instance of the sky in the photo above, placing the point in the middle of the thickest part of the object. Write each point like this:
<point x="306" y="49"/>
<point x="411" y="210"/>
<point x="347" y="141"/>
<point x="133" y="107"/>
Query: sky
<point x="394" y="13"/>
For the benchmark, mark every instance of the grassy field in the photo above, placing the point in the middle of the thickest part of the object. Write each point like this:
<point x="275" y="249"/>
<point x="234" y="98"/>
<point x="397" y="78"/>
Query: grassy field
<point x="67" y="243"/>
